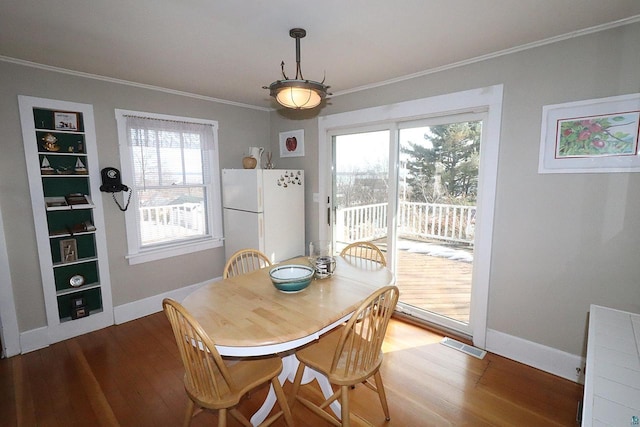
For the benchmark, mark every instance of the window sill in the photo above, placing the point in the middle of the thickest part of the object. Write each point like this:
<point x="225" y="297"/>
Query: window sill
<point x="173" y="251"/>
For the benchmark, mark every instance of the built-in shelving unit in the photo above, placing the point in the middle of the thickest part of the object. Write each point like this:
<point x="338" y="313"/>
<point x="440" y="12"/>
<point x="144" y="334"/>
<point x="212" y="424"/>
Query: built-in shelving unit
<point x="61" y="155"/>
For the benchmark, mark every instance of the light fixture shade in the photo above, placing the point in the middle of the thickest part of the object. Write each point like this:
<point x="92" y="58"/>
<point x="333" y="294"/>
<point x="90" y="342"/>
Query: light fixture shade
<point x="298" y="94"/>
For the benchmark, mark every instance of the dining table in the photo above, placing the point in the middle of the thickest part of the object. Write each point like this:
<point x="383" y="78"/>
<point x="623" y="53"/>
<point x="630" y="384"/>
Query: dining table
<point x="246" y="316"/>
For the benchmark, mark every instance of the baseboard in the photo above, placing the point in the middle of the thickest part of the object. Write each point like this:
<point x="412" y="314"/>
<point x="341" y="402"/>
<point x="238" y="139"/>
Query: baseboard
<point x="541" y="357"/>
<point x="34" y="339"/>
<point x="146" y="306"/>
<point x="38" y="338"/>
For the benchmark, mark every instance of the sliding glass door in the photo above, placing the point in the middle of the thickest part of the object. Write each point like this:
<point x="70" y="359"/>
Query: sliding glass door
<point x="411" y="189"/>
<point x="435" y="219"/>
<point x="361" y="187"/>
<point x="436" y="159"/>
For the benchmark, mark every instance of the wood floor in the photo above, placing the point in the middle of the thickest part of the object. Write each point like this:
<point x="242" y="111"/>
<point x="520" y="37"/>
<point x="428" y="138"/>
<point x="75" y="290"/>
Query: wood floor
<point x="131" y="375"/>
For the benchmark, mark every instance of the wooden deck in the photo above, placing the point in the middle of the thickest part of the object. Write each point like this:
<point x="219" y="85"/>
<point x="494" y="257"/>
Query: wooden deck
<point x="434" y="283"/>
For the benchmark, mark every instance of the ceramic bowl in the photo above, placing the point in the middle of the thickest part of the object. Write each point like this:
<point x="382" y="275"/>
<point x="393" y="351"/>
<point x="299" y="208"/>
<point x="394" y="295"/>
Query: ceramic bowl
<point x="291" y="278"/>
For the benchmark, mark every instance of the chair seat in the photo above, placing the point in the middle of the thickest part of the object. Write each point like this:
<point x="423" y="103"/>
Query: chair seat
<point x="247" y="375"/>
<point x="319" y="357"/>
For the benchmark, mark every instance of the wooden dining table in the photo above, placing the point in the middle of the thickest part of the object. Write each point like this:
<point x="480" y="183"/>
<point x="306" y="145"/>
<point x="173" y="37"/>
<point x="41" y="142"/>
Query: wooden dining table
<point x="247" y="316"/>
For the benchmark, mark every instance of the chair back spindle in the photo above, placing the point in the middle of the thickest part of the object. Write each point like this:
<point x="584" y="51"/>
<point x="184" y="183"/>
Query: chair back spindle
<point x="365" y="251"/>
<point x="245" y="261"/>
<point x="359" y="350"/>
<point x="206" y="375"/>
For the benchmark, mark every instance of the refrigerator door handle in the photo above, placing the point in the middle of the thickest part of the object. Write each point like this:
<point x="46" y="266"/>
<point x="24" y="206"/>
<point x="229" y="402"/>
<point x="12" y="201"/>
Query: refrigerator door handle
<point x="261" y="227"/>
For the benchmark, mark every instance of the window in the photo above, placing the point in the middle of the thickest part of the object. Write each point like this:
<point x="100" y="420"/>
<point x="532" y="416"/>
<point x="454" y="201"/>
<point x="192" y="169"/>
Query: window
<point x="171" y="165"/>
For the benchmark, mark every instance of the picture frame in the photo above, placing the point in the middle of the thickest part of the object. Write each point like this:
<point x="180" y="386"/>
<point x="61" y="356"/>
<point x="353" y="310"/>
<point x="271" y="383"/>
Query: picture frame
<point x="64" y="120"/>
<point x="292" y="143"/>
<point x="68" y="250"/>
<point x="591" y="136"/>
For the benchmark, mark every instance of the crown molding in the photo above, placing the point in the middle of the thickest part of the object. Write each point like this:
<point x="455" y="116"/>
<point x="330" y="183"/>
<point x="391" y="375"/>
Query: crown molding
<point x="551" y="40"/>
<point x="127" y="83"/>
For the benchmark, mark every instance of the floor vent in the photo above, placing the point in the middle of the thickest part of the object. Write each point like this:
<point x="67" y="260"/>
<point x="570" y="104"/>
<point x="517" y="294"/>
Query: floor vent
<point x="468" y="349"/>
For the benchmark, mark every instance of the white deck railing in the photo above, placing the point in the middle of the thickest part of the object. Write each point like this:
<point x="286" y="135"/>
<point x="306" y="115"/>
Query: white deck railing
<point x="452" y="223"/>
<point x="161" y="223"/>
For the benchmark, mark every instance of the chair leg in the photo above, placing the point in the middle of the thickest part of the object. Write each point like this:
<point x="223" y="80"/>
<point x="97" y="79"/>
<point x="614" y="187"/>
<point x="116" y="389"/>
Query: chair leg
<point x="296" y="386"/>
<point x="282" y="399"/>
<point x="344" y="410"/>
<point x="222" y="418"/>
<point x="239" y="417"/>
<point x="381" y="394"/>
<point x="188" y="413"/>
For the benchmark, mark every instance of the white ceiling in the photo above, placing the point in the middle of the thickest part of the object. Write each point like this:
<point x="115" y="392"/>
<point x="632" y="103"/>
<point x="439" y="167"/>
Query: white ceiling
<point x="229" y="49"/>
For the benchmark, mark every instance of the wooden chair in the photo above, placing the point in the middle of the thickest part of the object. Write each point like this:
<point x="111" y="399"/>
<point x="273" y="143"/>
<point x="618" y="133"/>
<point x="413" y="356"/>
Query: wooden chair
<point x="349" y="355"/>
<point x="209" y="382"/>
<point x="245" y="261"/>
<point x="365" y="250"/>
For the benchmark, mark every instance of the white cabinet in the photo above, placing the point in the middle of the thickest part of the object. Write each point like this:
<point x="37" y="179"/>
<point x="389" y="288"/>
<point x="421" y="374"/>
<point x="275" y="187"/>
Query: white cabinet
<point x="612" y="381"/>
<point x="62" y="165"/>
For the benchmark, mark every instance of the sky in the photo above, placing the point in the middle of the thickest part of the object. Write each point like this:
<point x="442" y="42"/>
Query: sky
<point x="372" y="148"/>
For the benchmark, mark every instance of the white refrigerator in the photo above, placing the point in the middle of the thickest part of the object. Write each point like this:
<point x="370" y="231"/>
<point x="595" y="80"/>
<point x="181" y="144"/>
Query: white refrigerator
<point x="264" y="209"/>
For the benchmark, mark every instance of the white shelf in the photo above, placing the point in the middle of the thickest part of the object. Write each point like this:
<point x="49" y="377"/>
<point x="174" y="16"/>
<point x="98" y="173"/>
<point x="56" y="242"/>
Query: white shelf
<point x="76" y="262"/>
<point x="70" y="132"/>
<point x="59" y="175"/>
<point x="65" y="234"/>
<point x="82" y="288"/>
<point x="48" y="201"/>
<point x="63" y="153"/>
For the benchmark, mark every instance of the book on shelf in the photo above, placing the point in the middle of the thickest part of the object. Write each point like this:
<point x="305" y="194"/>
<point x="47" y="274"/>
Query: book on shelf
<point x="70" y="230"/>
<point x="76" y="199"/>
<point x="55" y="202"/>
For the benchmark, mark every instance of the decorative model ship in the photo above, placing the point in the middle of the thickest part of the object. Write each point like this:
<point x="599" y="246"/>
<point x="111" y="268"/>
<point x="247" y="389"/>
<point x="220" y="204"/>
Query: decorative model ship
<point x="80" y="168"/>
<point x="45" y="167"/>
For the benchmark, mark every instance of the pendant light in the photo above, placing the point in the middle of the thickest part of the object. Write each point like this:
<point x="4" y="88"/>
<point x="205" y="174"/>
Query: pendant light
<point x="297" y="93"/>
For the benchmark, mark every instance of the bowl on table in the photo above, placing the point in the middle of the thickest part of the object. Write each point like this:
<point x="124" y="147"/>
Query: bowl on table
<point x="291" y="278"/>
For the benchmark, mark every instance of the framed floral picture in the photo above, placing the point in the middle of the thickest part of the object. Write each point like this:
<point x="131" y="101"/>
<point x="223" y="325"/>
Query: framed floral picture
<point x="599" y="135"/>
<point x="292" y="143"/>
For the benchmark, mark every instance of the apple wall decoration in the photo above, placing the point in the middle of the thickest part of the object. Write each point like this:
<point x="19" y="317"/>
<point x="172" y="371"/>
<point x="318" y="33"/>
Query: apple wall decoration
<point x="291" y="143"/>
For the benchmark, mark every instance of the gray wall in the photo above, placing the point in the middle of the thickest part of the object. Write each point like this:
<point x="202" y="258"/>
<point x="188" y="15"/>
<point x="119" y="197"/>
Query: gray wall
<point x="239" y="128"/>
<point x="561" y="242"/>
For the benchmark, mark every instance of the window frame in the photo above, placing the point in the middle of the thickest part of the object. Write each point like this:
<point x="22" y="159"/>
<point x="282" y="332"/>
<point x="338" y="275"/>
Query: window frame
<point x="214" y="239"/>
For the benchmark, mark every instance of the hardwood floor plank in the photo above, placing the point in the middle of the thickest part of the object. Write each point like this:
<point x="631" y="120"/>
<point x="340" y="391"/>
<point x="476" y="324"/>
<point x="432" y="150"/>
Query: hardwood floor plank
<point x="22" y="393"/>
<point x="131" y="375"/>
<point x="66" y="378"/>
<point x="91" y="387"/>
